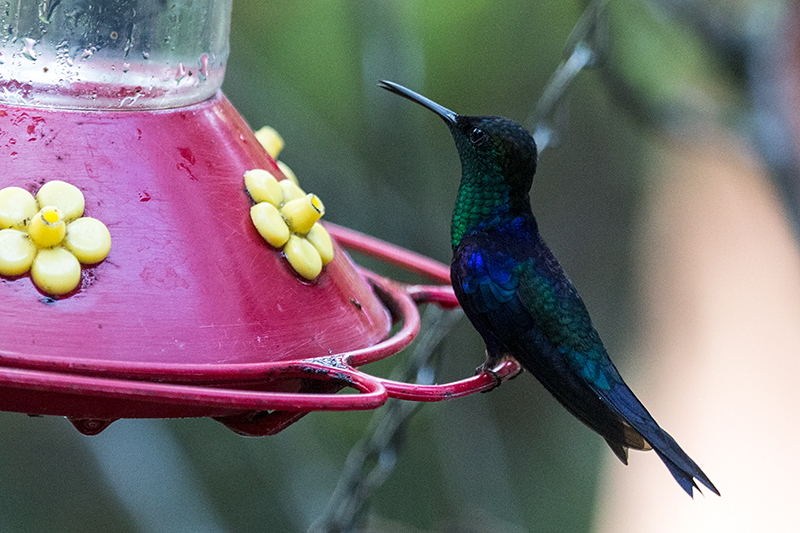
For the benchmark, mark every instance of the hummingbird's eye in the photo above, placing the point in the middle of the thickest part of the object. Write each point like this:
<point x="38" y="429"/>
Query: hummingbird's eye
<point x="477" y="136"/>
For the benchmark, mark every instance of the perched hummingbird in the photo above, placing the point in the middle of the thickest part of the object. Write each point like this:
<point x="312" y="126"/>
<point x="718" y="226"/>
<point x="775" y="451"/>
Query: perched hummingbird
<point x="515" y="293"/>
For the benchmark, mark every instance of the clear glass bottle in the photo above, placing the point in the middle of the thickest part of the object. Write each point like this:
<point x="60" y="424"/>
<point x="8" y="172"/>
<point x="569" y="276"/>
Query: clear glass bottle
<point x="112" y="54"/>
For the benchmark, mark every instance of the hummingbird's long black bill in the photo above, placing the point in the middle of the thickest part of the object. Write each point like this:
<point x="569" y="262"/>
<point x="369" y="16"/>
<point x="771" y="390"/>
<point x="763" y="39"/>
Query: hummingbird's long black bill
<point x="448" y="116"/>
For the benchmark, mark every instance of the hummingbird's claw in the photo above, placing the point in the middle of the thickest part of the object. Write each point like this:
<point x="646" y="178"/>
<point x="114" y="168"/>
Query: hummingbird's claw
<point x="488" y="368"/>
<point x="497" y="379"/>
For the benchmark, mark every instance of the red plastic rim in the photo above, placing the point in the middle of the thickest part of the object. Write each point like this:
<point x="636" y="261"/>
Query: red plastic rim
<point x="79" y="393"/>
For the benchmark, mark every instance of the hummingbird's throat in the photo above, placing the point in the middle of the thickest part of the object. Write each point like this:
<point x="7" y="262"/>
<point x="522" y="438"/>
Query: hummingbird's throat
<point x="475" y="205"/>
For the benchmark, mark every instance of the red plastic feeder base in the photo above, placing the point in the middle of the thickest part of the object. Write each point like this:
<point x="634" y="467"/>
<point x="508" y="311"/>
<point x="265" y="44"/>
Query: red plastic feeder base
<point x="192" y="313"/>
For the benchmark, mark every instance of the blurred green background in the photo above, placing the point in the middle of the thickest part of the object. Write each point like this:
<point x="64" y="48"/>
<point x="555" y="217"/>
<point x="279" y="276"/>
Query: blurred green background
<point x="512" y="460"/>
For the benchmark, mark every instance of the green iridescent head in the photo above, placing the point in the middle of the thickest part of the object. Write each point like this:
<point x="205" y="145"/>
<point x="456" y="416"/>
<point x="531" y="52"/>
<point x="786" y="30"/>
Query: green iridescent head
<point x="495" y="148"/>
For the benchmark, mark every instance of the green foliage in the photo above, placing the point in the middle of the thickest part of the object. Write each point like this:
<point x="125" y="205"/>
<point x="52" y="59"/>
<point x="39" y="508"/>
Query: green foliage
<point x="668" y="65"/>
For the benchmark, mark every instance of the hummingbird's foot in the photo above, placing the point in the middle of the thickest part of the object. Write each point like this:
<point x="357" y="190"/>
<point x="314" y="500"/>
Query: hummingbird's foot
<point x="495" y="355"/>
<point x="497" y="379"/>
<point x="488" y="368"/>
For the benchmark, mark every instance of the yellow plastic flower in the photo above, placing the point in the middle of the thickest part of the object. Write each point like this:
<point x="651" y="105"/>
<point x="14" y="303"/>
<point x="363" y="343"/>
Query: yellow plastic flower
<point x="273" y="144"/>
<point x="270" y="140"/>
<point x="286" y="217"/>
<point x="49" y="236"/>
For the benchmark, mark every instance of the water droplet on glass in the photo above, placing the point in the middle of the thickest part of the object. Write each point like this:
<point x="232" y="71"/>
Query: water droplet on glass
<point x="28" y="50"/>
<point x="204" y="66"/>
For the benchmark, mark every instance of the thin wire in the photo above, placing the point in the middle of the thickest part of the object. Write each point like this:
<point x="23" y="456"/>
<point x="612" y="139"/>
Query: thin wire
<point x="583" y="50"/>
<point x="372" y="459"/>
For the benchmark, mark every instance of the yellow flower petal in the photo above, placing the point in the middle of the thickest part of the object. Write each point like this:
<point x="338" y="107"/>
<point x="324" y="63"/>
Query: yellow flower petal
<point x="269" y="223"/>
<point x="290" y="191"/>
<point x="88" y="239"/>
<point x="16" y="252"/>
<point x="302" y="213"/>
<point x="66" y="197"/>
<point x="270" y="140"/>
<point x="56" y="271"/>
<point x="47" y="228"/>
<point x="263" y="187"/>
<point x="303" y="257"/>
<point x="17" y="206"/>
<point x="321" y="240"/>
<point x="288" y="172"/>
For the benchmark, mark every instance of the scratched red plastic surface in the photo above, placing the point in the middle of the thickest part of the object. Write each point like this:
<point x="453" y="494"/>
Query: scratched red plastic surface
<point x="189" y="284"/>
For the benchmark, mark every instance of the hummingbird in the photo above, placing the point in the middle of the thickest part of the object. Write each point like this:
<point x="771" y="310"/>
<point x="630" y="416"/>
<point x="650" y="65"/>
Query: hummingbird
<point x="515" y="293"/>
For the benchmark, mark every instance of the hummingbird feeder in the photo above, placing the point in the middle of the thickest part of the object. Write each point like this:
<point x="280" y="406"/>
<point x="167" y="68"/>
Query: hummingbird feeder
<point x="155" y="259"/>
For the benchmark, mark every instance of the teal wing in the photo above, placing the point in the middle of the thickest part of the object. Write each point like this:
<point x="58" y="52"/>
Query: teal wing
<point x="610" y="408"/>
<point x="564" y="351"/>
